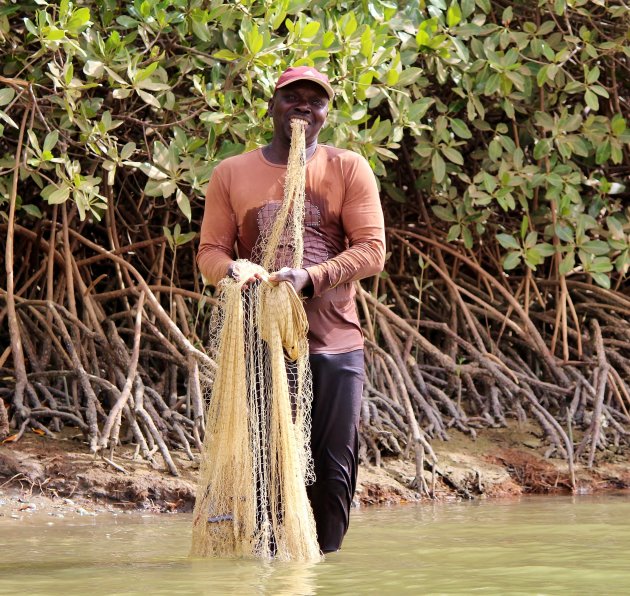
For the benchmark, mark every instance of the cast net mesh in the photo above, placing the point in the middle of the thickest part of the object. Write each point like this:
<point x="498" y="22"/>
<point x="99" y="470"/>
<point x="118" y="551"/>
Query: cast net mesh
<point x="251" y="499"/>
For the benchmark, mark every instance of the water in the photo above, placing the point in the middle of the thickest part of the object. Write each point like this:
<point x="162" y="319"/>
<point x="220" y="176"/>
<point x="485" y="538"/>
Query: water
<point x="554" y="545"/>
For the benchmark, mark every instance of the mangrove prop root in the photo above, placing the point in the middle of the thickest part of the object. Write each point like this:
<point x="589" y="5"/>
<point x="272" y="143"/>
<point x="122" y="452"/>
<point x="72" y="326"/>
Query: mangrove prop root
<point x="104" y="331"/>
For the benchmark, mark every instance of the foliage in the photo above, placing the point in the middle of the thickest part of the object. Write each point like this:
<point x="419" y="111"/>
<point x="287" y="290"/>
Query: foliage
<point x="512" y="120"/>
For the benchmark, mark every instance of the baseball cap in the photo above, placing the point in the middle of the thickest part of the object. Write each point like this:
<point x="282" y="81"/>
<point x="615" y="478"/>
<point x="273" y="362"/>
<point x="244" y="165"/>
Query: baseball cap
<point x="305" y="73"/>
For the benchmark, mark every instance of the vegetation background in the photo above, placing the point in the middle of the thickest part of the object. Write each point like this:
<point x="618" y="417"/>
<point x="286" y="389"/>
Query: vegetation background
<point x="498" y="133"/>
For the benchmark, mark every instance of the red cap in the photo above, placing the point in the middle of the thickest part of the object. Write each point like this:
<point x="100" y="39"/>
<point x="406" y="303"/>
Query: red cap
<point x="305" y="73"/>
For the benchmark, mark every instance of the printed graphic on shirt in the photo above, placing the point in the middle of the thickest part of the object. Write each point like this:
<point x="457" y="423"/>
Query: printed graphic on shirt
<point x="315" y="250"/>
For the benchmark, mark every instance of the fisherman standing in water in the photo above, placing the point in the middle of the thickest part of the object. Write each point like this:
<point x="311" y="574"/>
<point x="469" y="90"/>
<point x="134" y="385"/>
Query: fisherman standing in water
<point x="344" y="241"/>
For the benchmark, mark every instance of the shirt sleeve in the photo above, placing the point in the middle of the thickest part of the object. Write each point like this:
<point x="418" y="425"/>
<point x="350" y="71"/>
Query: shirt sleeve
<point x="364" y="228"/>
<point x="218" y="230"/>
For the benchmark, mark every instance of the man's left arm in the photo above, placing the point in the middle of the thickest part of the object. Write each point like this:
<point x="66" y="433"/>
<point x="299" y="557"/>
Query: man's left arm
<point x="362" y="221"/>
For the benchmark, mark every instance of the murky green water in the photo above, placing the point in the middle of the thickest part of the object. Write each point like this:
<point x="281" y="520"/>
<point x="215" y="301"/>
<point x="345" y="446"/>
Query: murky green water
<point x="557" y="545"/>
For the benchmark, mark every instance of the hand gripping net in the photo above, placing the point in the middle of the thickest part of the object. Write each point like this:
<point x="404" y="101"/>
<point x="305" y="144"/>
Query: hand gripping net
<point x="251" y="498"/>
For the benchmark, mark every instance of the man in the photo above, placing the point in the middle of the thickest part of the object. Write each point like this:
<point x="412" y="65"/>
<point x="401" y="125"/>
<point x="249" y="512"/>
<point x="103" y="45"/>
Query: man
<point x="344" y="241"/>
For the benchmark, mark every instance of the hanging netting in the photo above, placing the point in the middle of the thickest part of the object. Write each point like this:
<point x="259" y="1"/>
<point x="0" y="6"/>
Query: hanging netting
<point x="251" y="498"/>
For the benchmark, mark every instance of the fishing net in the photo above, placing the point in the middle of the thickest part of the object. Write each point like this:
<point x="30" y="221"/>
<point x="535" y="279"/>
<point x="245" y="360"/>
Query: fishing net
<point x="251" y="498"/>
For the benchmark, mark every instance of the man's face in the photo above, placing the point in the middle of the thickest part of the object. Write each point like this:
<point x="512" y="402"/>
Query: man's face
<point x="302" y="99"/>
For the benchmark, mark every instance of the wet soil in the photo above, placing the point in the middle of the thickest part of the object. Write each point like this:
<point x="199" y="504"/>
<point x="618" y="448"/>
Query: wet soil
<point x="60" y="476"/>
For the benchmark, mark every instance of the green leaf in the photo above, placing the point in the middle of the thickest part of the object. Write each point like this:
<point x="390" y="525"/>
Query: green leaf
<point x="460" y="128"/>
<point x="567" y="264"/>
<point x="422" y="38"/>
<point x="542" y="148"/>
<point x="127" y="22"/>
<point x="127" y="150"/>
<point x="601" y="279"/>
<point x="350" y="25"/>
<point x="453" y="155"/>
<point x="596" y="247"/>
<point x="181" y="239"/>
<point x="54" y="34"/>
<point x="546" y="249"/>
<point x="615" y="227"/>
<point x="533" y="258"/>
<point x="484" y="5"/>
<point x="541" y="76"/>
<point x="51" y="140"/>
<point x="453" y="232"/>
<point x="183" y="203"/>
<point x="148" y="98"/>
<point x="32" y="137"/>
<point x="531" y="239"/>
<point x="310" y="30"/>
<point x="6" y="95"/>
<point x="617" y="124"/>
<point x="453" y="15"/>
<point x="599" y="90"/>
<point x="438" y="166"/>
<point x="593" y="75"/>
<point x="524" y="226"/>
<point x="4" y="116"/>
<point x="468" y="237"/>
<point x="489" y="182"/>
<point x="511" y="260"/>
<point x="591" y="100"/>
<point x="494" y="150"/>
<point x="33" y="210"/>
<point x="225" y="55"/>
<point x="508" y="241"/>
<point x="80" y="18"/>
<point x="94" y="68"/>
<point x="622" y="262"/>
<point x="419" y="108"/>
<point x="150" y="170"/>
<point x="603" y="152"/>
<point x="559" y="6"/>
<point x="546" y="28"/>
<point x="600" y="265"/>
<point x="169" y="237"/>
<point x="564" y="232"/>
<point x="444" y="213"/>
<point x="367" y="43"/>
<point x="328" y="38"/>
<point x="409" y="76"/>
<point x="395" y="193"/>
<point x="60" y="195"/>
<point x="392" y="77"/>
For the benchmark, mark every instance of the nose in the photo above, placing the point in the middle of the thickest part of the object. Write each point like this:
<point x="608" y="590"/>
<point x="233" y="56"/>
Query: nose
<point x="303" y="106"/>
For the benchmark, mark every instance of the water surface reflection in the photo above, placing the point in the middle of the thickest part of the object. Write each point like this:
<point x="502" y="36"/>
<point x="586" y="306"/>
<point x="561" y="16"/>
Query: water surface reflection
<point x="568" y="545"/>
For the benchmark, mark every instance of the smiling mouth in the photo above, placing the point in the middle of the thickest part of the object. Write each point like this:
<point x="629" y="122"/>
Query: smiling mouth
<point x="299" y="119"/>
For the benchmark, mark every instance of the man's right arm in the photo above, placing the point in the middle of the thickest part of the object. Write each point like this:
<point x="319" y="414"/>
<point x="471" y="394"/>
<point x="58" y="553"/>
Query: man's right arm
<point x="218" y="231"/>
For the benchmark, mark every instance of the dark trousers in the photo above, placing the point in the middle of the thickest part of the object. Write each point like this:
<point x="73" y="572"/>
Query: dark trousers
<point x="337" y="391"/>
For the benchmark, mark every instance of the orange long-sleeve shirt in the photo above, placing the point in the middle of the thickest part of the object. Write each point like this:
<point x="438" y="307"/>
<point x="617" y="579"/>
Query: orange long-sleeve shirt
<point x="344" y="237"/>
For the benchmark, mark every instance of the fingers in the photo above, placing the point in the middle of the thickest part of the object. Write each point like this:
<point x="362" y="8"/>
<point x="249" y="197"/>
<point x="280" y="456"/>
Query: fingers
<point x="247" y="273"/>
<point x="283" y="274"/>
<point x="298" y="278"/>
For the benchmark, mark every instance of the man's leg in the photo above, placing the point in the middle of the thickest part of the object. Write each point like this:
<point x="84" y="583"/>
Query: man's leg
<point x="337" y="390"/>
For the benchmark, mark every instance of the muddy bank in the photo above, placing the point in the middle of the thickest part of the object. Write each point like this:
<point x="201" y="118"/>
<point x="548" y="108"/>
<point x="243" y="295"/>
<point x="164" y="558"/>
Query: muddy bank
<point x="60" y="476"/>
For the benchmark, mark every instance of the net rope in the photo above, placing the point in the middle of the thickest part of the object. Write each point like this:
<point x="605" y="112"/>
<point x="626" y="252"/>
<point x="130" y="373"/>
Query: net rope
<point x="251" y="497"/>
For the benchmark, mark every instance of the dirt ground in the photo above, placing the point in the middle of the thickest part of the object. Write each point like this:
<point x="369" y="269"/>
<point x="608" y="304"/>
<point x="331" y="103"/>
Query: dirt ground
<point x="60" y="476"/>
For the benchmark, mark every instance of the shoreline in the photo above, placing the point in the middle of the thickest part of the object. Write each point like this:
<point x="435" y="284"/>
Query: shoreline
<point x="59" y="477"/>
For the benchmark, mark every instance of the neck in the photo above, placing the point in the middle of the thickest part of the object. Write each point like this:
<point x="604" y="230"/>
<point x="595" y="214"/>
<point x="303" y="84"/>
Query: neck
<point x="278" y="152"/>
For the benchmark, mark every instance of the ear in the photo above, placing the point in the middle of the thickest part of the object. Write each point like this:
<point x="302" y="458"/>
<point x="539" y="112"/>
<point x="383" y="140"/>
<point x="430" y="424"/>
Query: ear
<point x="270" y="105"/>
